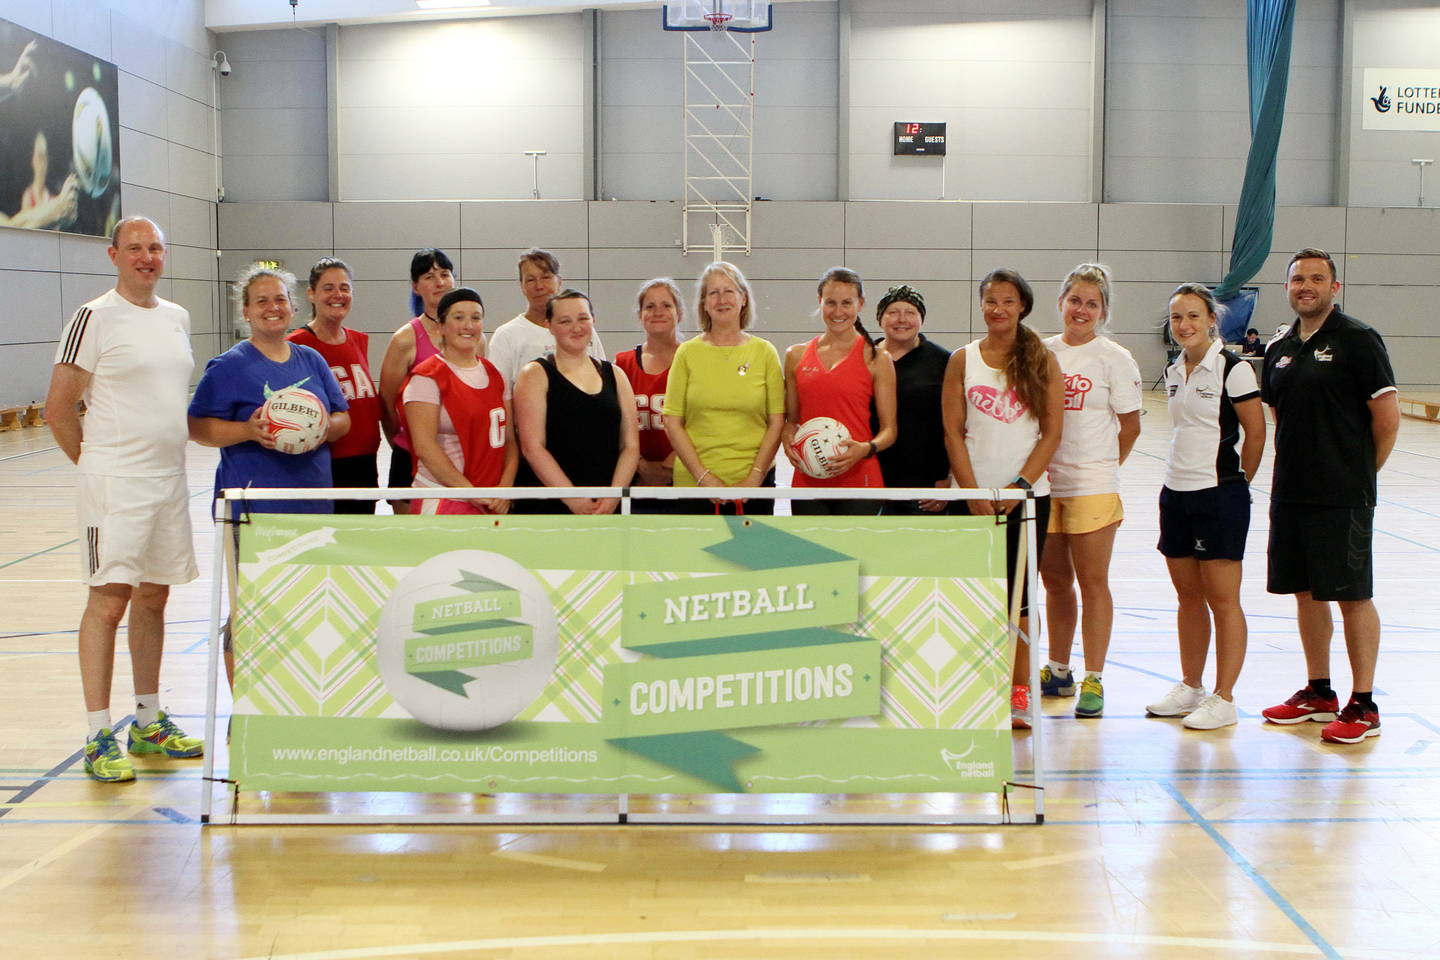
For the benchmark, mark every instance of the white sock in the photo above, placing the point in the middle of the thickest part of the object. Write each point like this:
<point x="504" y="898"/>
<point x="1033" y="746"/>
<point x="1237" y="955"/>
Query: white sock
<point x="97" y="720"/>
<point x="1091" y="675"/>
<point x="147" y="709"/>
<point x="1061" y="668"/>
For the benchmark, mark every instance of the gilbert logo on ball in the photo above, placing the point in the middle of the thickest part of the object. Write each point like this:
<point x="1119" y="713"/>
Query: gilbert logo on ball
<point x="92" y="153"/>
<point x="467" y="640"/>
<point x="297" y="419"/>
<point x="817" y="444"/>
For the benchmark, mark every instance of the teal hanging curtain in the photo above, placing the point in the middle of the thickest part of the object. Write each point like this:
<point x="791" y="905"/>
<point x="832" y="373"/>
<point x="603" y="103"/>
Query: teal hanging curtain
<point x="1269" y="30"/>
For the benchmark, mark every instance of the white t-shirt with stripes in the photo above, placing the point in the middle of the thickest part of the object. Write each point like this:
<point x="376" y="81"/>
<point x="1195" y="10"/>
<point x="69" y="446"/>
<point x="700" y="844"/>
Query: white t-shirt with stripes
<point x="139" y="362"/>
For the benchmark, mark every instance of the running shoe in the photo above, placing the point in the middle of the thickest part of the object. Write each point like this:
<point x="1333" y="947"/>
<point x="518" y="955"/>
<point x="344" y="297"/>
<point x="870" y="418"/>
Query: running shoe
<point x="104" y="761"/>
<point x="1179" y="702"/>
<point x="1304" y="705"/>
<point x="163" y="736"/>
<point x="1054" y="684"/>
<point x="1020" y="707"/>
<point x="1354" y="724"/>
<point x="1212" y="713"/>
<point x="1092" y="699"/>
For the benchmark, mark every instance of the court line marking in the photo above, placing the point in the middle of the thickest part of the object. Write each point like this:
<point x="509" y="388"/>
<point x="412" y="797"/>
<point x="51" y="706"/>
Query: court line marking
<point x="79" y="840"/>
<point x="37" y="553"/>
<point x="1051" y="860"/>
<point x="540" y="859"/>
<point x="841" y="934"/>
<point x="1254" y="875"/>
<point x="800" y="877"/>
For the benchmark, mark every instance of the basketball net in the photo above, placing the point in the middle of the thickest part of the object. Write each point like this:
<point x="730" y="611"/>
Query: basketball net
<point x="718" y="21"/>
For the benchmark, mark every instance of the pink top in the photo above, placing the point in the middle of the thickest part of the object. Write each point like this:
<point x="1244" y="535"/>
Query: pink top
<point x="424" y="350"/>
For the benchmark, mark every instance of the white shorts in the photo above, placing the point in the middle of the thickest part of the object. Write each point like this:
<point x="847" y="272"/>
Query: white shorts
<point x="135" y="530"/>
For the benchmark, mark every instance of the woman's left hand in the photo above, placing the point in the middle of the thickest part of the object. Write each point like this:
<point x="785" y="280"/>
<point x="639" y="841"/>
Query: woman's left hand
<point x="495" y="505"/>
<point x="852" y="452"/>
<point x="606" y="505"/>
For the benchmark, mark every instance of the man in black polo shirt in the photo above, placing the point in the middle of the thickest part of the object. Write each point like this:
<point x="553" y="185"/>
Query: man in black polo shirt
<point x="1329" y="381"/>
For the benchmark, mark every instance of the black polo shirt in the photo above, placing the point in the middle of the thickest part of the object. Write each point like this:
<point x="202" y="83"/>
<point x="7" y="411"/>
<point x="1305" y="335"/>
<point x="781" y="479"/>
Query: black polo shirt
<point x="1321" y="389"/>
<point x="918" y="458"/>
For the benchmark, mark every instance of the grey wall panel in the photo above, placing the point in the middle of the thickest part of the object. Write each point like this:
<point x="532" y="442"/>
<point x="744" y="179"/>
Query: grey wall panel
<point x="1203" y="266"/>
<point x="634" y="224"/>
<point x="191" y="172"/>
<point x="195" y="296"/>
<point x="31" y="14"/>
<point x="1034" y="265"/>
<point x="85" y="255"/>
<point x="1412" y="363"/>
<point x="29" y="249"/>
<point x="85" y="25"/>
<point x="1393" y="269"/>
<point x="390" y="225"/>
<point x="1394" y="310"/>
<point x="380" y="307"/>
<point x="798" y="224"/>
<point x="1036" y="226"/>
<point x="387" y="264"/>
<point x="192" y="222"/>
<point x="1393" y="230"/>
<point x="622" y="264"/>
<point x="291" y="225"/>
<point x="145" y="159"/>
<point x="913" y="266"/>
<point x="33" y="306"/>
<point x="28" y="372"/>
<point x="523" y="224"/>
<point x="77" y="289"/>
<point x="190" y="263"/>
<point x="1297" y="227"/>
<point x="187" y="72"/>
<point x="1160" y="227"/>
<point x="276" y="131"/>
<point x="431" y="177"/>
<point x="282" y="177"/>
<point x="138" y="201"/>
<point x="296" y="260"/>
<point x="503" y="265"/>
<point x="143" y="104"/>
<point x="190" y="122"/>
<point x="922" y="225"/>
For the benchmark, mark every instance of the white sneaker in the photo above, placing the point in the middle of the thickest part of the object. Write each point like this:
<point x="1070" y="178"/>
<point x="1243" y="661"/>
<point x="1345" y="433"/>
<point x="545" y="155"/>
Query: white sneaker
<point x="1178" y="702"/>
<point x="1213" y="713"/>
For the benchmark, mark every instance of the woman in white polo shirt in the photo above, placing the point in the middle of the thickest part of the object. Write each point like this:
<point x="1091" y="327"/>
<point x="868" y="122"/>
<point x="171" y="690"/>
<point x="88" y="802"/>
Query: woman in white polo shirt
<point x="1102" y="422"/>
<point x="1205" y="505"/>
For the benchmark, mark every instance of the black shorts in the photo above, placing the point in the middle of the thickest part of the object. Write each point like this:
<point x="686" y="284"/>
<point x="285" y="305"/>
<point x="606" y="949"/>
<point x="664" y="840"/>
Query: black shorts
<point x="354" y="472"/>
<point x="402" y="468"/>
<point x="1324" y="551"/>
<point x="1014" y="528"/>
<point x="1209" y="524"/>
<point x="835" y="508"/>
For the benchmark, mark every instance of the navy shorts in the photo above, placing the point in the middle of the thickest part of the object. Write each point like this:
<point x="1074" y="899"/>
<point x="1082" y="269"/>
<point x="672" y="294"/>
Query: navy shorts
<point x="1209" y="524"/>
<point x="1323" y="551"/>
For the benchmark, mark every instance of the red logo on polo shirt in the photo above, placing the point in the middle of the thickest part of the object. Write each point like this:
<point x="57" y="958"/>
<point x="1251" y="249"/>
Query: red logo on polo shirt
<point x="1077" y="385"/>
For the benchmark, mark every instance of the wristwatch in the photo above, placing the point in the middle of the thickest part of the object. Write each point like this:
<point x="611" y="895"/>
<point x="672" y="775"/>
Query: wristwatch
<point x="873" y="449"/>
<point x="1022" y="483"/>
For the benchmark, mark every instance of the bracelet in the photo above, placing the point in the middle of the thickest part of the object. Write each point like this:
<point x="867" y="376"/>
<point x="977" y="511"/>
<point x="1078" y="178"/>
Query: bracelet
<point x="700" y="479"/>
<point x="873" y="449"/>
<point x="759" y="470"/>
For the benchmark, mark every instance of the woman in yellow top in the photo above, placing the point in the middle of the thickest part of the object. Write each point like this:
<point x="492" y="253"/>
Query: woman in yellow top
<point x="725" y="402"/>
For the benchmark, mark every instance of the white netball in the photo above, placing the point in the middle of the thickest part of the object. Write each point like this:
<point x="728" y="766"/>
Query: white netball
<point x="817" y="444"/>
<point x="297" y="420"/>
<point x="92" y="147"/>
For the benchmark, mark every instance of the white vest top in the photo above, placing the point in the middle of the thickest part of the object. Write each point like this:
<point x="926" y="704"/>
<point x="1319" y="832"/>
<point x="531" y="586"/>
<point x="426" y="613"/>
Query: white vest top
<point x="1000" y="431"/>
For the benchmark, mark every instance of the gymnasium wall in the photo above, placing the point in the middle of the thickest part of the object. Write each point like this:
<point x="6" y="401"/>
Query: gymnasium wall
<point x="608" y="248"/>
<point x="167" y="172"/>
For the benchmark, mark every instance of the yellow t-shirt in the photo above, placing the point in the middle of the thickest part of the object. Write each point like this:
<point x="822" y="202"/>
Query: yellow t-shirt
<point x="727" y="396"/>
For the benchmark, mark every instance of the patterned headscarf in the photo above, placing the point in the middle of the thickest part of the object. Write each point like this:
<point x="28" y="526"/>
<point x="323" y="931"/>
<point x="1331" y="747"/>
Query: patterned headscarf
<point x="902" y="292"/>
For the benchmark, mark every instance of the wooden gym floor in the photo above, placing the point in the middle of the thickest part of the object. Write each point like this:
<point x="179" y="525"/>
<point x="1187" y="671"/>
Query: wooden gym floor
<point x="1255" y="841"/>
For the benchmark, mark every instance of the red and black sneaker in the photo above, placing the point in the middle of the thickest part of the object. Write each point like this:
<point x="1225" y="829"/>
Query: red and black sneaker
<point x="1306" y="704"/>
<point x="1355" y="723"/>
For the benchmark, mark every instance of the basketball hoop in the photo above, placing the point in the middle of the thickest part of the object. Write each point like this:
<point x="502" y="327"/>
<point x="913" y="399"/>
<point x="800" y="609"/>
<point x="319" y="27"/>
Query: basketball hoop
<point x="718" y="20"/>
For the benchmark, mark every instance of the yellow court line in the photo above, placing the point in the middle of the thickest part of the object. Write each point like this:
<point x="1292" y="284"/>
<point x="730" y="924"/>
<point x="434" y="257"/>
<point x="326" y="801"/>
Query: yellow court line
<point x="540" y="859"/>
<point x="841" y="934"/>
<point x="28" y="804"/>
<point x="807" y="878"/>
<point x="79" y="840"/>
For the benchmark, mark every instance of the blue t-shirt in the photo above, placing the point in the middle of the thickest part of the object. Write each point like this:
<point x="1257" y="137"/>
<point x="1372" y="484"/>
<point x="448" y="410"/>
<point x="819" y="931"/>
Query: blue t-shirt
<point x="234" y="385"/>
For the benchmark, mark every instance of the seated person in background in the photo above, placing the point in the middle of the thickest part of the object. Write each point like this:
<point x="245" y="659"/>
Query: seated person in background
<point x="1251" y="345"/>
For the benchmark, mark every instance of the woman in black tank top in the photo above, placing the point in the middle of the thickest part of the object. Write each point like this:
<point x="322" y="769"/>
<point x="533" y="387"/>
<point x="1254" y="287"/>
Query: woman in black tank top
<point x="575" y="416"/>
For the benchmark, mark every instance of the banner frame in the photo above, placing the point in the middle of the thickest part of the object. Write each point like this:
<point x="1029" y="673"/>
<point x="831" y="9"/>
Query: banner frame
<point x="225" y="570"/>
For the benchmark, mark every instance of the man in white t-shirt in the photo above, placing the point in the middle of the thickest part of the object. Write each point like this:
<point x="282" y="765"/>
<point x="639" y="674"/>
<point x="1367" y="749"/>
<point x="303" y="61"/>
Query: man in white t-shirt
<point x="126" y="354"/>
<point x="527" y="337"/>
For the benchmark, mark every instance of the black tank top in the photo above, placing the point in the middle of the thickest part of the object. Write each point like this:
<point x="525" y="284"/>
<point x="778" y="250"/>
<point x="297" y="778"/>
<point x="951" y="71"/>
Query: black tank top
<point x="582" y="431"/>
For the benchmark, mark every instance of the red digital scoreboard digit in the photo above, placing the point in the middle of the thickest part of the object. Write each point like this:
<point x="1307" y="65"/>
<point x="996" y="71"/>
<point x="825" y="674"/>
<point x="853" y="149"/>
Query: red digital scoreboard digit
<point x="919" y="139"/>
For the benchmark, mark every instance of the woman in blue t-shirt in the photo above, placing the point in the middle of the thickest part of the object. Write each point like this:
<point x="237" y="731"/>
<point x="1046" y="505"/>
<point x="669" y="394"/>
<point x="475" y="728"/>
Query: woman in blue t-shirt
<point x="226" y="409"/>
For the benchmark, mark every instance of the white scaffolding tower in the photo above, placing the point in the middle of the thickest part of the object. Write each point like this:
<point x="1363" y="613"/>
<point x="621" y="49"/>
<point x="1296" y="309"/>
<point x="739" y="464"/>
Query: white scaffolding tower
<point x="719" y="103"/>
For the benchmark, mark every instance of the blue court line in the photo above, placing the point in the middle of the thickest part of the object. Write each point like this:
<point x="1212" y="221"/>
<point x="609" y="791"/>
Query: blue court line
<point x="52" y="774"/>
<point x="1253" y="874"/>
<point x="37" y="553"/>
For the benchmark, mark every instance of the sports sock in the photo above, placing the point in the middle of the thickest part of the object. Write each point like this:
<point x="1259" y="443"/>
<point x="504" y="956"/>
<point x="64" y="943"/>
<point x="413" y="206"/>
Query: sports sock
<point x="1364" y="698"/>
<point x="1063" y="669"/>
<point x="97" y="720"/>
<point x="147" y="709"/>
<point x="1091" y="675"/>
<point x="1321" y="685"/>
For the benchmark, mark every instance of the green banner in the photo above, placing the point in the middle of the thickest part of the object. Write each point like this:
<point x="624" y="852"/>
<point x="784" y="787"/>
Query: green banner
<point x="621" y="655"/>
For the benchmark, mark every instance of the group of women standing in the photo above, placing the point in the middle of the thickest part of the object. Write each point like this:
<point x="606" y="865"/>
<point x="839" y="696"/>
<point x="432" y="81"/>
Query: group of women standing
<point x="1054" y="417"/>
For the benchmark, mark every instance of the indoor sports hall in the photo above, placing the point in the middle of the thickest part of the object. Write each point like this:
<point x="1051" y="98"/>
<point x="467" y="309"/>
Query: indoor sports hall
<point x="1114" y="131"/>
